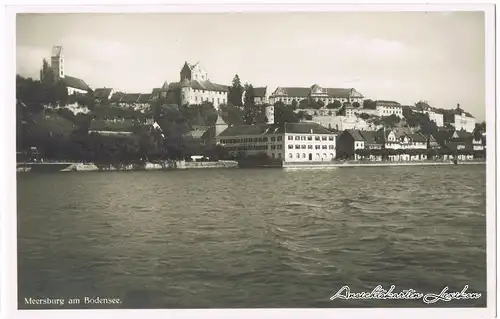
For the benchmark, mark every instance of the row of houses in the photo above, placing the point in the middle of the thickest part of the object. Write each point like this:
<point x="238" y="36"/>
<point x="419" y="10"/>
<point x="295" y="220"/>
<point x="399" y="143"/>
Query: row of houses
<point x="407" y="145"/>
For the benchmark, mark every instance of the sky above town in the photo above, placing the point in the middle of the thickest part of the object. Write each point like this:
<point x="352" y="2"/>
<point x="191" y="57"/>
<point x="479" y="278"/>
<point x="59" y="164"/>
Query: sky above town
<point x="403" y="56"/>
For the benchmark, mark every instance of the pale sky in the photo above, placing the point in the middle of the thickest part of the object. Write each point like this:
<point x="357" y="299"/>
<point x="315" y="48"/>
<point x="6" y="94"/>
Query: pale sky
<point x="401" y="56"/>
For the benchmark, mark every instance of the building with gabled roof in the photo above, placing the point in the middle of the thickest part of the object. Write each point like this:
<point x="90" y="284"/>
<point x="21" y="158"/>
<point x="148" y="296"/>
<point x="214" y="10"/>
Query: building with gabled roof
<point x="194" y="87"/>
<point x="289" y="142"/>
<point x="459" y="119"/>
<point x="287" y="95"/>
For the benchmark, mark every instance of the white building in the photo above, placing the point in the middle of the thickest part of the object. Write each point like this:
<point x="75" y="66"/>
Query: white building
<point x="74" y="85"/>
<point x="388" y="108"/>
<point x="291" y="142"/>
<point x="460" y="119"/>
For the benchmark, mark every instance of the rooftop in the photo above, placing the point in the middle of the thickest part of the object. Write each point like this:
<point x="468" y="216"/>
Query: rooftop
<point x="266" y="129"/>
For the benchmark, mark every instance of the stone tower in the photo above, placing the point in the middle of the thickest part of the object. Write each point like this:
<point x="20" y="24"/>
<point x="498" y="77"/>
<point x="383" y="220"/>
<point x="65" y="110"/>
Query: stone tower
<point x="57" y="62"/>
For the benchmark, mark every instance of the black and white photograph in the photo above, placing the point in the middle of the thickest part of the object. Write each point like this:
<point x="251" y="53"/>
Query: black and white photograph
<point x="251" y="159"/>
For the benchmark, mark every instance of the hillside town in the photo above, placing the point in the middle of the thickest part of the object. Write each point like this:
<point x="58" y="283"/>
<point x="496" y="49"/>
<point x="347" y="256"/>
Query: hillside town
<point x="60" y="117"/>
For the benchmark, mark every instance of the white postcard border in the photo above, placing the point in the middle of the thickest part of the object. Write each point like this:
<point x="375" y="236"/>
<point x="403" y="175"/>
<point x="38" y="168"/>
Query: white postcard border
<point x="8" y="224"/>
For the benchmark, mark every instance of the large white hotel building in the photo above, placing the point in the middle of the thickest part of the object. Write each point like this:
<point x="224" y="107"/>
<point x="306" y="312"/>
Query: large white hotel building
<point x="291" y="142"/>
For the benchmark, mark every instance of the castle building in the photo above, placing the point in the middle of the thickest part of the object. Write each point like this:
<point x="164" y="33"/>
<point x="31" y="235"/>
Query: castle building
<point x="194" y="87"/>
<point x="315" y="92"/>
<point x="73" y="84"/>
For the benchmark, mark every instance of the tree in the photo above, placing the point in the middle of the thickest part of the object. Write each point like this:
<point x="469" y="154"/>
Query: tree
<point x="303" y="104"/>
<point x="364" y="116"/>
<point x="235" y="93"/>
<point x="283" y="114"/>
<point x="250" y="111"/>
<point x="390" y="121"/>
<point x="369" y="104"/>
<point x="249" y="94"/>
<point x="295" y="104"/>
<point x="46" y="73"/>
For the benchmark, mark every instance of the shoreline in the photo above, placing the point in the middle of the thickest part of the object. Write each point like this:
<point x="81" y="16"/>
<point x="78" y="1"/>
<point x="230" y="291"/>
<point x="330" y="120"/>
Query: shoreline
<point x="295" y="166"/>
<point x="182" y="165"/>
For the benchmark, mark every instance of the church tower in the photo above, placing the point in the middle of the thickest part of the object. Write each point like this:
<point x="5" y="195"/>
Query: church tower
<point x="57" y="62"/>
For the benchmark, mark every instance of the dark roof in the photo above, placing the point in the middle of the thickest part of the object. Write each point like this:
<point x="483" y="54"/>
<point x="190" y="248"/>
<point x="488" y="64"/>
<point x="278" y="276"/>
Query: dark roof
<point x="443" y="136"/>
<point x="305" y="91"/>
<point x="260" y="91"/>
<point x="306" y="128"/>
<point x="130" y="98"/>
<point x="291" y="91"/>
<point x="449" y="114"/>
<point x="116" y="97"/>
<point x="199" y="85"/>
<point x="384" y="102"/>
<point x="155" y="91"/>
<point x="371" y="137"/>
<point x="144" y="98"/>
<point x="417" y="137"/>
<point x="356" y="135"/>
<point x="102" y="93"/>
<point x="75" y="83"/>
<point x="343" y="93"/>
<point x="264" y="129"/>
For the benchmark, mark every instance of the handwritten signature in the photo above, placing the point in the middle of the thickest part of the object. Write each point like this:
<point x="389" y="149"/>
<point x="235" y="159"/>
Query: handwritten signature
<point x="408" y="294"/>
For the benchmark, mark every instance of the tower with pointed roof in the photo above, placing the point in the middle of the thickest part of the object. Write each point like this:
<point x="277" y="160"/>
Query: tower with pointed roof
<point x="220" y="125"/>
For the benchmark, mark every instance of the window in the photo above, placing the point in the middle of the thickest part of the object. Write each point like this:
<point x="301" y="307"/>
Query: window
<point x="323" y="138"/>
<point x="330" y="138"/>
<point x="273" y="139"/>
<point x="316" y="147"/>
<point x="272" y="155"/>
<point x="297" y="138"/>
<point x="297" y="147"/>
<point x="331" y="155"/>
<point x="290" y="138"/>
<point x="323" y="147"/>
<point x="324" y="155"/>
<point x="298" y="155"/>
<point x="303" y="147"/>
<point x="290" y="155"/>
<point x="316" y="138"/>
<point x="309" y="147"/>
<point x="330" y="147"/>
<point x="280" y="138"/>
<point x="279" y="147"/>
<point x="309" y="138"/>
<point x="303" y="155"/>
<point x="279" y="155"/>
<point x="273" y="147"/>
<point x="290" y="146"/>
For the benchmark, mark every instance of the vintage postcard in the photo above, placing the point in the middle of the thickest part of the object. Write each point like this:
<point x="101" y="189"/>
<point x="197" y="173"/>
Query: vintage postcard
<point x="273" y="161"/>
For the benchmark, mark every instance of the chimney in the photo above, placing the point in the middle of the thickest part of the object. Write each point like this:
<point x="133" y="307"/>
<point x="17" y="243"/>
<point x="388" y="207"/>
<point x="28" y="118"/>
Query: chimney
<point x="458" y="106"/>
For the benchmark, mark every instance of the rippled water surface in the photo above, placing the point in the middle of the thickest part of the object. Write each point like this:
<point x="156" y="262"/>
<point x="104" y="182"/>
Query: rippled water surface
<point x="252" y="238"/>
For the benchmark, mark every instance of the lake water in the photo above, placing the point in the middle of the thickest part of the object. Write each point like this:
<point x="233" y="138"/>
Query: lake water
<point x="234" y="238"/>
